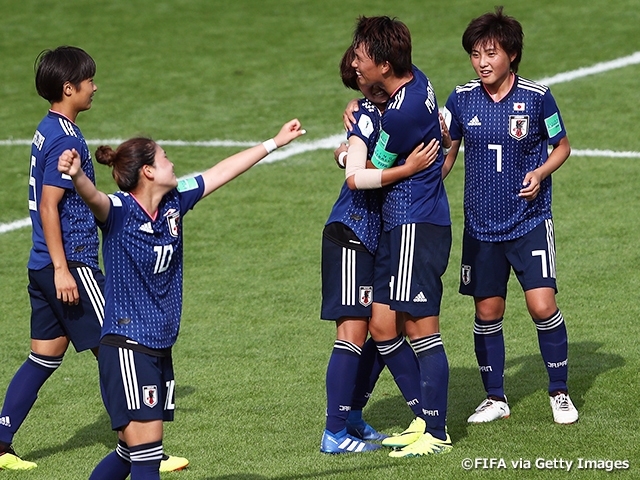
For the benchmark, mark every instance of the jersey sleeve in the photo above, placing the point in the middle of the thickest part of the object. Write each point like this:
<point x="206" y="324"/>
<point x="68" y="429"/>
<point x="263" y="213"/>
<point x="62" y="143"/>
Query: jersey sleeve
<point x="118" y="214"/>
<point x="190" y="192"/>
<point x="551" y="119"/>
<point x="51" y="174"/>
<point x="399" y="135"/>
<point x="452" y="115"/>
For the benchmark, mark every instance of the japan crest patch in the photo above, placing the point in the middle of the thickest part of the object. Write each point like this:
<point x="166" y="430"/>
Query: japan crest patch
<point x="465" y="274"/>
<point x="150" y="395"/>
<point x="366" y="296"/>
<point x="173" y="219"/>
<point x="518" y="126"/>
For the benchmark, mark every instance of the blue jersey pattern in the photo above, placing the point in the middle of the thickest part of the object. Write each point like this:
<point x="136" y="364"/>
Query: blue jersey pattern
<point x="54" y="135"/>
<point x="143" y="265"/>
<point x="411" y="117"/>
<point x="503" y="141"/>
<point x="360" y="209"/>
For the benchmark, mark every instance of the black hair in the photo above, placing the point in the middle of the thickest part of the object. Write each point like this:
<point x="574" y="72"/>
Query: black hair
<point x="56" y="67"/>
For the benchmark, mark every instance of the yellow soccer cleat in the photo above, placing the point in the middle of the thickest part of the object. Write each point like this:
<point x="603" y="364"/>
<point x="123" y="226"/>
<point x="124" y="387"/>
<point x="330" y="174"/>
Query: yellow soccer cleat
<point x="172" y="464"/>
<point x="427" y="444"/>
<point x="10" y="461"/>
<point x="413" y="432"/>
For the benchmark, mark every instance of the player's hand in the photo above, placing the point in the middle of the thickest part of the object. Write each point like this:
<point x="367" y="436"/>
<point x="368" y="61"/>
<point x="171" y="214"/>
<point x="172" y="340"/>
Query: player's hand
<point x="531" y="187"/>
<point x="446" y="137"/>
<point x="66" y="287"/>
<point x="69" y="162"/>
<point x="289" y="131"/>
<point x="423" y="156"/>
<point x="336" y="153"/>
<point x="347" y="117"/>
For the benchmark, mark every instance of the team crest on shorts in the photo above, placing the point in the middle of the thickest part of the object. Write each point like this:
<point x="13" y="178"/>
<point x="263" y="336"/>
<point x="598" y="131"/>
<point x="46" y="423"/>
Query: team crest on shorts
<point x="150" y="395"/>
<point x="466" y="274"/>
<point x="173" y="219"/>
<point x="518" y="126"/>
<point x="366" y="296"/>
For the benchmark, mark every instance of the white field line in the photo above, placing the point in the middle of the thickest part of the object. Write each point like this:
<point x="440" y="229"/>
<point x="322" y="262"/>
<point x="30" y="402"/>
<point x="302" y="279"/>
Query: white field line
<point x="330" y="143"/>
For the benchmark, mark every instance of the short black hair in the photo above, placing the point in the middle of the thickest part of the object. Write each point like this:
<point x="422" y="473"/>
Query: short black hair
<point x="56" y="67"/>
<point x="499" y="28"/>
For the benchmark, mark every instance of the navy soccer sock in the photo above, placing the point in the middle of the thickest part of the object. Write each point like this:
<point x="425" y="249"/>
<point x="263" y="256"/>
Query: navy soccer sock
<point x="341" y="377"/>
<point x="489" y="346"/>
<point x="369" y="369"/>
<point x="145" y="461"/>
<point x="552" y="338"/>
<point x="115" y="466"/>
<point x="401" y="360"/>
<point x="23" y="392"/>
<point x="434" y="379"/>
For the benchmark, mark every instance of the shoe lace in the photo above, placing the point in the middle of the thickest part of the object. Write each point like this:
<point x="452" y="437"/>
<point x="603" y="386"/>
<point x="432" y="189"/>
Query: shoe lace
<point x="562" y="402"/>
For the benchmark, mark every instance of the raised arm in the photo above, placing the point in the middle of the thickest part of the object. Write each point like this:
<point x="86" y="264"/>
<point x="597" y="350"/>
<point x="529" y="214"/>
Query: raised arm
<point x="233" y="166"/>
<point x="98" y="202"/>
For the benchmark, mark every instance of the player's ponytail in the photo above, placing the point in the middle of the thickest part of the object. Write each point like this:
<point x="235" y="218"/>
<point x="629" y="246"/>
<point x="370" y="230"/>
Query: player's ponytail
<point x="128" y="160"/>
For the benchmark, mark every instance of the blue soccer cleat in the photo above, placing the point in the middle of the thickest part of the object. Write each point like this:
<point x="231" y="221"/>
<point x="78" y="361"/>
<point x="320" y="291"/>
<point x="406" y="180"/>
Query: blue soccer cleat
<point x="342" y="442"/>
<point x="364" y="431"/>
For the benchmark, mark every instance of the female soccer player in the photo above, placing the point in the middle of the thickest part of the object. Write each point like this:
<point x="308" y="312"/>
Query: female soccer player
<point x="507" y="123"/>
<point x="414" y="245"/>
<point x="142" y="252"/>
<point x="350" y="240"/>
<point x="65" y="281"/>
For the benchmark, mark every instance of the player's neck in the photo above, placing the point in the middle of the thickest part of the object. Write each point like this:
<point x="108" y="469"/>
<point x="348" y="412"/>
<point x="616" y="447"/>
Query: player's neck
<point x="393" y="84"/>
<point x="65" y="110"/>
<point x="499" y="90"/>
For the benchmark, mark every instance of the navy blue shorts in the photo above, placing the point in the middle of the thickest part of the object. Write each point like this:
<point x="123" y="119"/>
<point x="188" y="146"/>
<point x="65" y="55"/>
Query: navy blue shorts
<point x="409" y="264"/>
<point x="347" y="282"/>
<point x="50" y="318"/>
<point x="135" y="386"/>
<point x="486" y="266"/>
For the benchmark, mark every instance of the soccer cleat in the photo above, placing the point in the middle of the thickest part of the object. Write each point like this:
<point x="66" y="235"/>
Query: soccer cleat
<point x="172" y="464"/>
<point x="413" y="432"/>
<point x="364" y="431"/>
<point x="489" y="410"/>
<point x="9" y="460"/>
<point x="563" y="409"/>
<point x="342" y="442"/>
<point x="427" y="444"/>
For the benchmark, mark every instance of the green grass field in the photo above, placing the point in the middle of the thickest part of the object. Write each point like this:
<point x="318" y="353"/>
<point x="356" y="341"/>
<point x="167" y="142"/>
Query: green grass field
<point x="251" y="357"/>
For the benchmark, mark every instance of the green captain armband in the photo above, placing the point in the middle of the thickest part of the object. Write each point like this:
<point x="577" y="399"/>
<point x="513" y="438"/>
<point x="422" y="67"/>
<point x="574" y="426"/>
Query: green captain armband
<point x="187" y="184"/>
<point x="381" y="158"/>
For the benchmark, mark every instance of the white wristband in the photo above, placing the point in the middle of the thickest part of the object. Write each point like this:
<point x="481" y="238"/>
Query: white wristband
<point x="270" y="145"/>
<point x="341" y="159"/>
<point x="446" y="151"/>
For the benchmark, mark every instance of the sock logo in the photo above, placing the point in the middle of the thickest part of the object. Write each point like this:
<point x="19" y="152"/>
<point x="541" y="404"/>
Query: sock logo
<point x="557" y="364"/>
<point x="431" y="413"/>
<point x="5" y="421"/>
<point x="485" y="368"/>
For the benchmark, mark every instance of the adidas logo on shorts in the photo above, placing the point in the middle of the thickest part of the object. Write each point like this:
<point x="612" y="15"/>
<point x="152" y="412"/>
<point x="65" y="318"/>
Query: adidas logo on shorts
<point x="420" y="298"/>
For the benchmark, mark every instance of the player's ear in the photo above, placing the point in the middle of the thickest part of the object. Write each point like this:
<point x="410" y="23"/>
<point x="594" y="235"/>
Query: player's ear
<point x="68" y="88"/>
<point x="147" y="172"/>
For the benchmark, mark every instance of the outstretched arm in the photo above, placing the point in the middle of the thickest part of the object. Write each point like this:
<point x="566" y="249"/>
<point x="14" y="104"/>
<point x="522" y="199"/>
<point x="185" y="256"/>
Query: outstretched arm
<point x="233" y="166"/>
<point x="98" y="202"/>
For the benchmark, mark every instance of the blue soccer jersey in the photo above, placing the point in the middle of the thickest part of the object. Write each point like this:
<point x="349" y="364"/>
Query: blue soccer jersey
<point x="503" y="141"/>
<point x="411" y="117"/>
<point x="360" y="209"/>
<point x="143" y="265"/>
<point x="55" y="134"/>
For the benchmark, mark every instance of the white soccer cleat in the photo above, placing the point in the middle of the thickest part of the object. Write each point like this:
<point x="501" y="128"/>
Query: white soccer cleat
<point x="490" y="410"/>
<point x="564" y="412"/>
